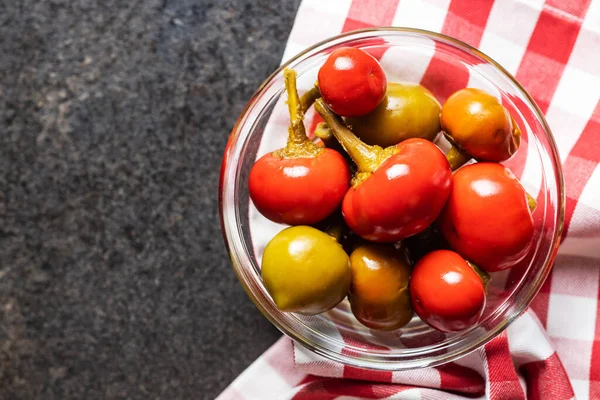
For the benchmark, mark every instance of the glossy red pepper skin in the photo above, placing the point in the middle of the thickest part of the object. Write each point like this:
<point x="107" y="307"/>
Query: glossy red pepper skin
<point x="487" y="219"/>
<point x="446" y="292"/>
<point x="299" y="190"/>
<point x="352" y="82"/>
<point x="403" y="196"/>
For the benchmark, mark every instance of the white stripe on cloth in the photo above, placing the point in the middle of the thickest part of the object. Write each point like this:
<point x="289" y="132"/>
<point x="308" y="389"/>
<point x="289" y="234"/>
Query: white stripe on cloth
<point x="528" y="341"/>
<point x="421" y="14"/>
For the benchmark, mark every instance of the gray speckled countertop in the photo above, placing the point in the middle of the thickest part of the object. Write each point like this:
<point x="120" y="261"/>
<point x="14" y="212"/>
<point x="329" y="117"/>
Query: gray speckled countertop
<point x="114" y="280"/>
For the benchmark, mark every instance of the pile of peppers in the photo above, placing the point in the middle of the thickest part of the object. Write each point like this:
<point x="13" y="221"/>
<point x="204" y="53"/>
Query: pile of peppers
<point x="378" y="213"/>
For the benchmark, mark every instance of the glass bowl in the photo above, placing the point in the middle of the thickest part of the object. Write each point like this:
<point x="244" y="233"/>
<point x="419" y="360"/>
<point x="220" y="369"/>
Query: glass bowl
<point x="443" y="65"/>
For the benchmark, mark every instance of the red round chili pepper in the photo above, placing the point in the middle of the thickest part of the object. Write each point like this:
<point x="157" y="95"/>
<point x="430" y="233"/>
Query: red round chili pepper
<point x="398" y="191"/>
<point x="446" y="292"/>
<point x="487" y="218"/>
<point x="302" y="183"/>
<point x="352" y="82"/>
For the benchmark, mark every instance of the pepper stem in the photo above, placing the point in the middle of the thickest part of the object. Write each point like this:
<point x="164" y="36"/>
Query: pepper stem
<point x="323" y="132"/>
<point x="367" y="158"/>
<point x="485" y="277"/>
<point x="457" y="158"/>
<point x="531" y="202"/>
<point x="309" y="97"/>
<point x="515" y="139"/>
<point x="298" y="144"/>
<point x="297" y="131"/>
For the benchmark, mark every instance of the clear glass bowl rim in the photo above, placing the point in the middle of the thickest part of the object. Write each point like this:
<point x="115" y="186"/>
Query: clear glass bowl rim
<point x="435" y="360"/>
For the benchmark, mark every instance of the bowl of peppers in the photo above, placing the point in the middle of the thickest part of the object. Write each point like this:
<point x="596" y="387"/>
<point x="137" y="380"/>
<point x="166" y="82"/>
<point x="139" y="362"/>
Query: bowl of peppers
<point x="391" y="199"/>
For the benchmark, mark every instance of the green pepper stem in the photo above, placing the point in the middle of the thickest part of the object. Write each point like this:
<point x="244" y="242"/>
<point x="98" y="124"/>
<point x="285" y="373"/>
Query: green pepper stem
<point x="457" y="158"/>
<point x="298" y="144"/>
<point x="367" y="158"/>
<point x="485" y="277"/>
<point x="323" y="132"/>
<point x="515" y="139"/>
<point x="297" y="131"/>
<point x="309" y="97"/>
<point x="531" y="202"/>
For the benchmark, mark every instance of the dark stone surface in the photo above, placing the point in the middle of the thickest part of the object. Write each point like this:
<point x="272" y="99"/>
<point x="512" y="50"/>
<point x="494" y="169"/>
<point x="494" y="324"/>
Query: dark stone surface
<point x="114" y="280"/>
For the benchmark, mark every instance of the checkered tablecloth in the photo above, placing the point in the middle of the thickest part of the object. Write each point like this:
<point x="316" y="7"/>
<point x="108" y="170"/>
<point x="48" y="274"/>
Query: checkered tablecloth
<point x="553" y="350"/>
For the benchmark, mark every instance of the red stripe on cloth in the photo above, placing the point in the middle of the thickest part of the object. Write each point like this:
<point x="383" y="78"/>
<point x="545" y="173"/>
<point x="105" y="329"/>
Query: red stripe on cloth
<point x="465" y="22"/>
<point x="308" y="379"/>
<point x="547" y="379"/>
<point x="457" y="378"/>
<point x="595" y="361"/>
<point x="580" y="165"/>
<point x="504" y="382"/>
<point x="331" y="388"/>
<point x="594" y="389"/>
<point x="368" y="13"/>
<point x="367" y="375"/>
<point x="371" y="13"/>
<point x="554" y="36"/>
<point x="443" y="76"/>
<point x="548" y="51"/>
<point x="573" y="8"/>
<point x="358" y="373"/>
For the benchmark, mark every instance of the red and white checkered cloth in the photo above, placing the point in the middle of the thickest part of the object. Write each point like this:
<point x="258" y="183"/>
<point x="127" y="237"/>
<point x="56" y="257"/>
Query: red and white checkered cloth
<point x="553" y="350"/>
